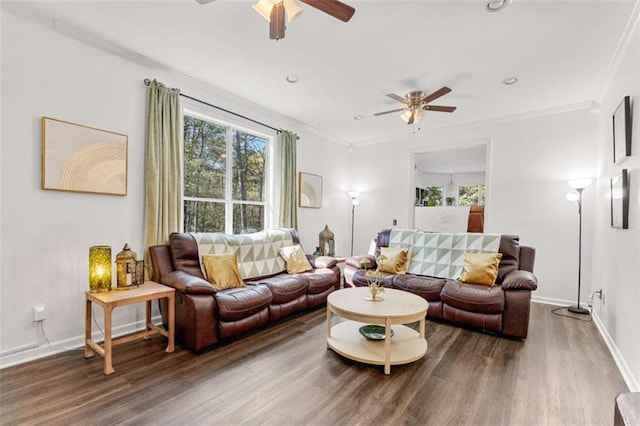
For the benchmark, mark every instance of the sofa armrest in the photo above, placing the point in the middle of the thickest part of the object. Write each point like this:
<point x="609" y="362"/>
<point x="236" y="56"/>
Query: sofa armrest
<point x="187" y="283"/>
<point x="322" y="261"/>
<point x="356" y="262"/>
<point x="520" y="280"/>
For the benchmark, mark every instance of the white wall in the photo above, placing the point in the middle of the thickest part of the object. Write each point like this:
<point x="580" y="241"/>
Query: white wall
<point x="616" y="252"/>
<point x="45" y="235"/>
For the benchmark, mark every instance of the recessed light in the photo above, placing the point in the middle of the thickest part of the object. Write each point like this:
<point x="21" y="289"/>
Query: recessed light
<point x="359" y="117"/>
<point x="292" y="78"/>
<point x="496" y="5"/>
<point x="509" y="81"/>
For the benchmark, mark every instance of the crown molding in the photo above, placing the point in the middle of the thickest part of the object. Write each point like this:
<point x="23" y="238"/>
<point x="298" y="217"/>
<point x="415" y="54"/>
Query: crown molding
<point x="623" y="45"/>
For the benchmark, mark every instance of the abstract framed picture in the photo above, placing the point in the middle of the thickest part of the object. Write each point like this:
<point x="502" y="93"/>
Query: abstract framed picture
<point x="622" y="131"/>
<point x="79" y="158"/>
<point x="620" y="200"/>
<point x="309" y="190"/>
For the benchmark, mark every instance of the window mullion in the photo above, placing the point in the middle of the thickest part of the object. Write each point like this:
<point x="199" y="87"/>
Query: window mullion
<point x="229" y="184"/>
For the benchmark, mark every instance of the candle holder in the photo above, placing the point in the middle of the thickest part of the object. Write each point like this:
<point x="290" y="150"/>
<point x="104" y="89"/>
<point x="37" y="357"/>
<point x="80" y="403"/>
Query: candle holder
<point x="99" y="269"/>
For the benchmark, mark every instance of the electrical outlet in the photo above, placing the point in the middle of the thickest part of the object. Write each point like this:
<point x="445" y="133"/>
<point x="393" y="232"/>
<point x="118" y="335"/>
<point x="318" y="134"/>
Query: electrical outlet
<point x="38" y="313"/>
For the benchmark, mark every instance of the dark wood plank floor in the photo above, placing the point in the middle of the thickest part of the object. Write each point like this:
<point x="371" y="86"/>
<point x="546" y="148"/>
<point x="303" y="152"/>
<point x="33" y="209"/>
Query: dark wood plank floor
<point x="561" y="375"/>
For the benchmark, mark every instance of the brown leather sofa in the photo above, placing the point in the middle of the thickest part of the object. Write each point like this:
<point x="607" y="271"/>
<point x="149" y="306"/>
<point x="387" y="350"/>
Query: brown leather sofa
<point x="205" y="316"/>
<point x="503" y="308"/>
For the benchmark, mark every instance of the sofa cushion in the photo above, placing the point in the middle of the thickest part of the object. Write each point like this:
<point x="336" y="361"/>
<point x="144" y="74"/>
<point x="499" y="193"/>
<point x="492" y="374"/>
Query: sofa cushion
<point x="221" y="270"/>
<point x="393" y="260"/>
<point x="473" y="297"/>
<point x="427" y="287"/>
<point x="320" y="280"/>
<point x="360" y="279"/>
<point x="295" y="259"/>
<point x="285" y="287"/>
<point x="480" y="268"/>
<point x="238" y="303"/>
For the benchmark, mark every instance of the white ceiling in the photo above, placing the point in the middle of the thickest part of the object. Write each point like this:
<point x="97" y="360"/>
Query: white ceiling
<point x="561" y="52"/>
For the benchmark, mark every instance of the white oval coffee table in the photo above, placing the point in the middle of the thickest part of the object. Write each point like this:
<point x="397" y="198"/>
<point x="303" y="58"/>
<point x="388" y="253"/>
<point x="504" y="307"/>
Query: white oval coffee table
<point x="398" y="308"/>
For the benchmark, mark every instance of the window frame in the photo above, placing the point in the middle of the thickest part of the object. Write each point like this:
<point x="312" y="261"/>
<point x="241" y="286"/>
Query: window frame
<point x="232" y="125"/>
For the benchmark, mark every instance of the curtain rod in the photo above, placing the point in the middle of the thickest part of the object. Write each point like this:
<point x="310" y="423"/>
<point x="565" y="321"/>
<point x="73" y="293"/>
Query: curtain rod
<point x="147" y="82"/>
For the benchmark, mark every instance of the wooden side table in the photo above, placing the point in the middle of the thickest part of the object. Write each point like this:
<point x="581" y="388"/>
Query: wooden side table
<point x="147" y="292"/>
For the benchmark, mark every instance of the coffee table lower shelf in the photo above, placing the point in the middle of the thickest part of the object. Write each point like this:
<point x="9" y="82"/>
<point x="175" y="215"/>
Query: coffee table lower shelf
<point x="406" y="344"/>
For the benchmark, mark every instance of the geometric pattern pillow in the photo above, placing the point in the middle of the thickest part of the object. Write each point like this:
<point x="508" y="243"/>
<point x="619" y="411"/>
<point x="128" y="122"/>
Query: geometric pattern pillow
<point x="442" y="254"/>
<point x="257" y="252"/>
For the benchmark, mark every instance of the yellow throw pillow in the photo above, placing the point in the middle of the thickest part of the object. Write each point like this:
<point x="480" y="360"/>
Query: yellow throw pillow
<point x="393" y="260"/>
<point x="296" y="260"/>
<point x="221" y="270"/>
<point x="481" y="268"/>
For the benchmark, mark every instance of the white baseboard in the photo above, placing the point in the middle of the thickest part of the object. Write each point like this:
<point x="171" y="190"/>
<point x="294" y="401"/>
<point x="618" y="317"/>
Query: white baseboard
<point x="621" y="363"/>
<point x="43" y="348"/>
<point x="627" y="374"/>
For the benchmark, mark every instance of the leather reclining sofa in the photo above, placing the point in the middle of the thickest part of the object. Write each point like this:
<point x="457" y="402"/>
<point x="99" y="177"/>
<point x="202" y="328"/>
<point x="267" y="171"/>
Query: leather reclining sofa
<point x="205" y="316"/>
<point x="503" y="308"/>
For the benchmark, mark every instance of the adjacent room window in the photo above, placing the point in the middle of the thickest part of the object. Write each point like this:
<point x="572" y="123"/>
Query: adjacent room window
<point x="225" y="177"/>
<point x="430" y="196"/>
<point x="471" y="195"/>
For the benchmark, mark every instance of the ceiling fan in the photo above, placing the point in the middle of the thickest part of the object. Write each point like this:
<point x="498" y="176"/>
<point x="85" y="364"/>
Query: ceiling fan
<point x="416" y="103"/>
<point x="274" y="12"/>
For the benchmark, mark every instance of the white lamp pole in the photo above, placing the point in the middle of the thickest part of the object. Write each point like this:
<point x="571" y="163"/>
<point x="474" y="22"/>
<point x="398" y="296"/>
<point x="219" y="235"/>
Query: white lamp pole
<point x="354" y="202"/>
<point x="576" y="195"/>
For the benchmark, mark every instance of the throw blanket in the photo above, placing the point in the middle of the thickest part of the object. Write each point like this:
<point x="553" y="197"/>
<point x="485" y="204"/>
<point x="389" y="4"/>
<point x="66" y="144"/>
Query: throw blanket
<point x="257" y="253"/>
<point x="439" y="254"/>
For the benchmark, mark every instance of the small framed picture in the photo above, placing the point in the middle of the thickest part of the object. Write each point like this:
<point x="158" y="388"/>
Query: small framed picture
<point x="622" y="131"/>
<point x="310" y="190"/>
<point x="620" y="200"/>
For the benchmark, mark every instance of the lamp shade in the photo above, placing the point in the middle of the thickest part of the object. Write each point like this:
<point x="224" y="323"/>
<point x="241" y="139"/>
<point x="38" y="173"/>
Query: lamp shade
<point x="99" y="269"/>
<point x="293" y="9"/>
<point x="263" y="7"/>
<point x="580" y="183"/>
<point x="573" y="196"/>
<point x="354" y="197"/>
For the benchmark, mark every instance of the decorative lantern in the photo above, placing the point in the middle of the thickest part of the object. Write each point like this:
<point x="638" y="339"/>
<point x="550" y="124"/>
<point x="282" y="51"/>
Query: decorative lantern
<point x="99" y="269"/>
<point x="326" y="242"/>
<point x="126" y="262"/>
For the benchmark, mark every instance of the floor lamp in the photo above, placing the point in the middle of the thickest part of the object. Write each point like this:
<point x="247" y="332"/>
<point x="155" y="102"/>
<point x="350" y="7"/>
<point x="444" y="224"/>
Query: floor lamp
<point x="354" y="202"/>
<point x="578" y="186"/>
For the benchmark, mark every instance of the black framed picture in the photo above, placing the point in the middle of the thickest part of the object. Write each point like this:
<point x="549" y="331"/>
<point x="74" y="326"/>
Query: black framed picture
<point x="620" y="200"/>
<point x="622" y="131"/>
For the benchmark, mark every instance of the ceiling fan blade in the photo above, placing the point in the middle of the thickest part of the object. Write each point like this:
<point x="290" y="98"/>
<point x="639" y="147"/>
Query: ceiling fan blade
<point x="205" y="1"/>
<point x="439" y="108"/>
<point x="335" y="8"/>
<point x="388" y="112"/>
<point x="397" y="98"/>
<point x="276" y="25"/>
<point x="435" y="95"/>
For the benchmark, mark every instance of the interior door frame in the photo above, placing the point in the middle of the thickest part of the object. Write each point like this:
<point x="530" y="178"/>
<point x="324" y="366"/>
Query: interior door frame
<point x="487" y="142"/>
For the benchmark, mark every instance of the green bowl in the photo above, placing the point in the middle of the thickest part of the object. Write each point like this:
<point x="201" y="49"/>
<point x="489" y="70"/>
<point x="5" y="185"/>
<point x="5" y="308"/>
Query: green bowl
<point x="373" y="332"/>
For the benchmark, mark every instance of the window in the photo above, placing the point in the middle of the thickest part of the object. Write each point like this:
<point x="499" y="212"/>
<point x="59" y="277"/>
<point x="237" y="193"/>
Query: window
<point x="471" y="195"/>
<point x="225" y="177"/>
<point x="430" y="196"/>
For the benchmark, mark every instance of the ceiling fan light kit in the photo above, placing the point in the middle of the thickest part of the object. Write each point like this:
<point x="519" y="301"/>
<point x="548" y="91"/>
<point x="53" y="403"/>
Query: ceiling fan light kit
<point x="496" y="5"/>
<point x="416" y="103"/>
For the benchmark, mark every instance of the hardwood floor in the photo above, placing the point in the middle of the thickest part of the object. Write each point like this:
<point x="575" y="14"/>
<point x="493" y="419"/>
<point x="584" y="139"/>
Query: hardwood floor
<point x="562" y="374"/>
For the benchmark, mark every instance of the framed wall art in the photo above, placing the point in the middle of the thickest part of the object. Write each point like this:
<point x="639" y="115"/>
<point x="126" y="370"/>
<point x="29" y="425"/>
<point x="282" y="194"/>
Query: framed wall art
<point x="622" y="131"/>
<point x="309" y="190"/>
<point x="620" y="200"/>
<point x="80" y="158"/>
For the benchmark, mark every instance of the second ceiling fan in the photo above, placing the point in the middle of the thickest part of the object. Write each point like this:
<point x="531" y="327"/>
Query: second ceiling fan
<point x="416" y="103"/>
<point x="274" y="11"/>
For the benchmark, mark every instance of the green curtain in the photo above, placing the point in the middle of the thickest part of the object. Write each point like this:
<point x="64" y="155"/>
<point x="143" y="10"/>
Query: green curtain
<point x="163" y="174"/>
<point x="288" y="193"/>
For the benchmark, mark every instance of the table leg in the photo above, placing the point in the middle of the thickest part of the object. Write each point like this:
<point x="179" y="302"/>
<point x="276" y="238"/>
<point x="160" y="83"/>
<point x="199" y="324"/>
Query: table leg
<point x="88" y="352"/>
<point x="147" y="321"/>
<point x="387" y="346"/>
<point x="422" y="322"/>
<point x="172" y="320"/>
<point x="108" y="367"/>
<point x="328" y="323"/>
